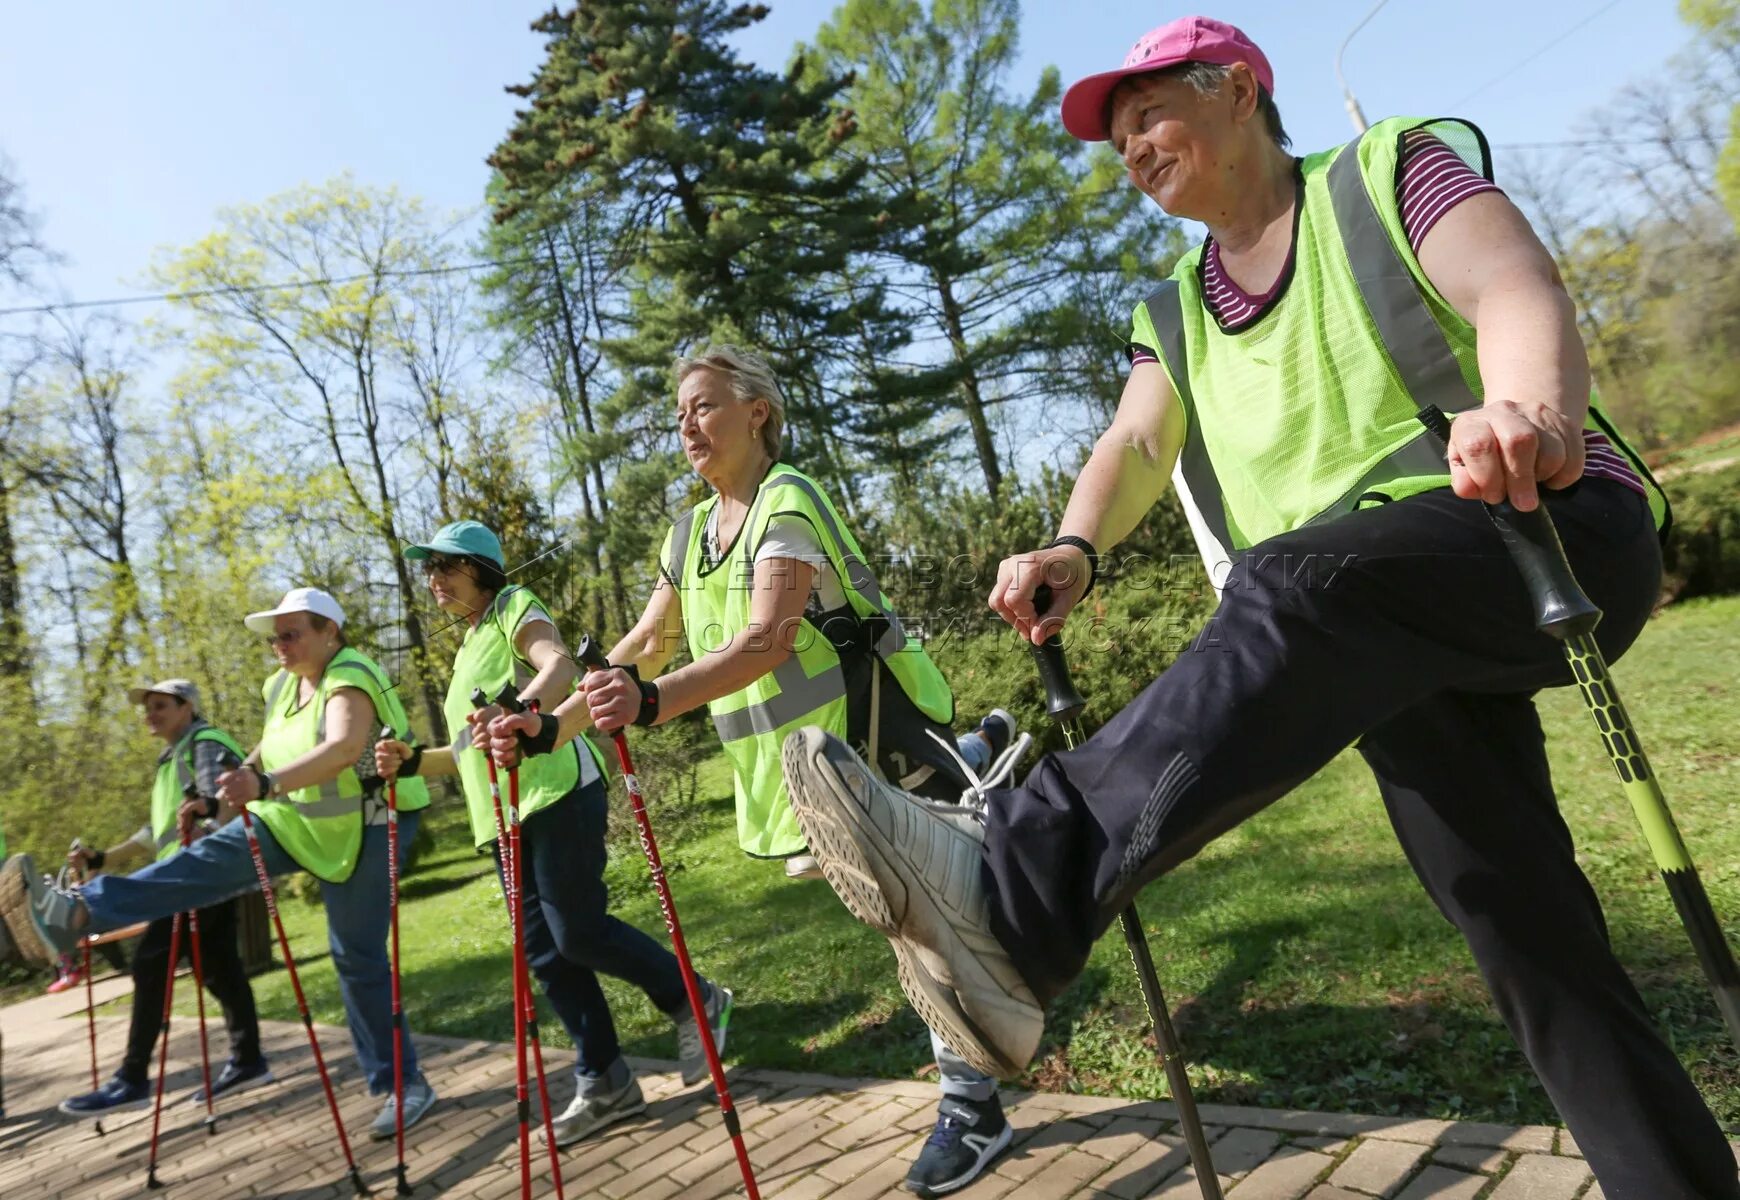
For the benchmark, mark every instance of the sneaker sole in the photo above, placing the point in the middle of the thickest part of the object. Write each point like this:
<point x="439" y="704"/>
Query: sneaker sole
<point x="971" y="1173"/>
<point x="130" y="1106"/>
<point x="828" y="823"/>
<point x="618" y="1115"/>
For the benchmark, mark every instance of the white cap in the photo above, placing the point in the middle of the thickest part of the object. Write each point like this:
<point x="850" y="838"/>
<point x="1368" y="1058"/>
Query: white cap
<point x="308" y="600"/>
<point x="181" y="689"/>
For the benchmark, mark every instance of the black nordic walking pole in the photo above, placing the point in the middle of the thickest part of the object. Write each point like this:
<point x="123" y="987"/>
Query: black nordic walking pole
<point x="90" y="1000"/>
<point x="588" y="655"/>
<point x="510" y="896"/>
<point x="151" y="1180"/>
<point x="199" y="998"/>
<point x="403" y="1185"/>
<point x="356" y="1181"/>
<point x="1565" y="613"/>
<point x="509" y="701"/>
<point x="1065" y="706"/>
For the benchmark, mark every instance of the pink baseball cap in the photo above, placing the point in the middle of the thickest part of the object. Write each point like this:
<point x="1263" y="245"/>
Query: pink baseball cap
<point x="1188" y="39"/>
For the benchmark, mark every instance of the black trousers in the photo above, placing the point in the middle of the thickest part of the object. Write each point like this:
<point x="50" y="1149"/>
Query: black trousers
<point x="224" y="979"/>
<point x="1405" y="629"/>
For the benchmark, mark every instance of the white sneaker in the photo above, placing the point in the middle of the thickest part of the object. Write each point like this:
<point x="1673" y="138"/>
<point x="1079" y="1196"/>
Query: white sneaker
<point x="803" y="866"/>
<point x="910" y="868"/>
<point x="587" y="1113"/>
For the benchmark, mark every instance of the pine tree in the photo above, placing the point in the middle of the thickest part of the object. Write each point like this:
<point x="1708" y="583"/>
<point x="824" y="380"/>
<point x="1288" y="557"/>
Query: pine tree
<point x="734" y="174"/>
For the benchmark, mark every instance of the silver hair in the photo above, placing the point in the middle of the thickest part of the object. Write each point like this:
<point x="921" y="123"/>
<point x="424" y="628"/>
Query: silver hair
<point x="1206" y="78"/>
<point x="750" y="378"/>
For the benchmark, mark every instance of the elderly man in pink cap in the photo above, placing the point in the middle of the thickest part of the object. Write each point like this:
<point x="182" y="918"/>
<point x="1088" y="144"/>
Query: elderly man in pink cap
<point x="1291" y="380"/>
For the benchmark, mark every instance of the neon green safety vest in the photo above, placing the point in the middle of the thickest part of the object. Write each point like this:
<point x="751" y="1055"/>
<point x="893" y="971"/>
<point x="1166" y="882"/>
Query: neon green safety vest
<point x="488" y="659"/>
<point x="1313" y="411"/>
<point x="174" y="776"/>
<point x="321" y="827"/>
<point x="809" y="687"/>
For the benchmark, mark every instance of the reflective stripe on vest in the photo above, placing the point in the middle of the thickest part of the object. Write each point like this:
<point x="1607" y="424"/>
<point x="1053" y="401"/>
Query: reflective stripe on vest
<point x="798" y="694"/>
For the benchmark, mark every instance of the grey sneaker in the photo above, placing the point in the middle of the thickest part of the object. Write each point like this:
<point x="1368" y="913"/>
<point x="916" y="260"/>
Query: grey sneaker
<point x="691" y="1054"/>
<point x="590" y="1112"/>
<point x="910" y="868"/>
<point x="419" y="1098"/>
<point x="52" y="910"/>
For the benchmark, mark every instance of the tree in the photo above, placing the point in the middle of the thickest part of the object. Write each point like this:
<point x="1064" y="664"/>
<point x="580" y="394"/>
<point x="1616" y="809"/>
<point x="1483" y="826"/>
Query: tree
<point x="325" y="308"/>
<point x="1721" y="19"/>
<point x="722" y="168"/>
<point x="555" y="300"/>
<point x="79" y="396"/>
<point x="1013" y="237"/>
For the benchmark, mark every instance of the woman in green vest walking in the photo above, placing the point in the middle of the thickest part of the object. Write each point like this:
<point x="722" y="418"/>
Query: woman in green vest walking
<point x="511" y="641"/>
<point x="312" y="813"/>
<point x="1283" y="379"/>
<point x="787" y="627"/>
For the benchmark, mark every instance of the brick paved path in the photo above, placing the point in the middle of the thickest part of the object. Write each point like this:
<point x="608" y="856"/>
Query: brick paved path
<point x="809" y="1136"/>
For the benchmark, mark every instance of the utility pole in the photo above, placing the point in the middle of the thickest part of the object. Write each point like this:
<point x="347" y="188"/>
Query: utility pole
<point x="1354" y="112"/>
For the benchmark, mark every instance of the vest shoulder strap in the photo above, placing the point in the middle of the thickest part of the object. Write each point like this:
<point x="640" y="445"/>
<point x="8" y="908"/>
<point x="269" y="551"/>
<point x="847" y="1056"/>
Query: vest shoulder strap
<point x="1409" y="331"/>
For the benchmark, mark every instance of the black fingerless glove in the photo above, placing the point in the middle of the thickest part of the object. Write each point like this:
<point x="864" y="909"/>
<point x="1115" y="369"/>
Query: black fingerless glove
<point x="413" y="763"/>
<point x="96" y="858"/>
<point x="649" y="696"/>
<point x="543" y="741"/>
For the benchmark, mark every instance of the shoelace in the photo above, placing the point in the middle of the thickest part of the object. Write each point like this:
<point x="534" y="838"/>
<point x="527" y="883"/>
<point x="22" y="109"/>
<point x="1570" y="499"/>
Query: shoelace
<point x="950" y="1128"/>
<point x="1001" y="768"/>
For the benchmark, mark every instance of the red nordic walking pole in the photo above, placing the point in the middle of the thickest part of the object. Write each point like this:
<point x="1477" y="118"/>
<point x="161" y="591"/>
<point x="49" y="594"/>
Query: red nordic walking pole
<point x="90" y="1000"/>
<point x="529" y="1023"/>
<point x="199" y="999"/>
<point x="510" y="896"/>
<point x="151" y="1180"/>
<point x="356" y="1181"/>
<point x="592" y="658"/>
<point x="403" y="1185"/>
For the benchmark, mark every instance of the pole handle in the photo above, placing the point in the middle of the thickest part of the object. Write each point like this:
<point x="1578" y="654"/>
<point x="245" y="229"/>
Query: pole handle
<point x="1062" y="701"/>
<point x="1562" y="610"/>
<point x="590" y="654"/>
<point x="508" y="700"/>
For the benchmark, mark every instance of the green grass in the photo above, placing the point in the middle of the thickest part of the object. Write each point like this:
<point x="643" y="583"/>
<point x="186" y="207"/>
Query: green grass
<point x="1307" y="967"/>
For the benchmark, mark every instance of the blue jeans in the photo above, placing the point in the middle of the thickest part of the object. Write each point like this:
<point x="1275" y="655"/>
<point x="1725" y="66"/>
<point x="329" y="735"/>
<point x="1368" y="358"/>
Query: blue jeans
<point x="571" y="936"/>
<point x="218" y="866"/>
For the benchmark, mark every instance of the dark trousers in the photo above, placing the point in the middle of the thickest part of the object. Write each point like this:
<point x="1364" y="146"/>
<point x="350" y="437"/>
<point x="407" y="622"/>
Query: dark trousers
<point x="224" y="979"/>
<point x="1406" y="629"/>
<point x="570" y="934"/>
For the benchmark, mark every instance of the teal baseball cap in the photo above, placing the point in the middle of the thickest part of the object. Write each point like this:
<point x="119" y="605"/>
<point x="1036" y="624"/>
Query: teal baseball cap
<point x="461" y="537"/>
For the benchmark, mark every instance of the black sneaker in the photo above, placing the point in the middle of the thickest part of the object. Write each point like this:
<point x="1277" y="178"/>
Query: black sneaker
<point x="113" y="1096"/>
<point x="234" y="1077"/>
<point x="968" y="1135"/>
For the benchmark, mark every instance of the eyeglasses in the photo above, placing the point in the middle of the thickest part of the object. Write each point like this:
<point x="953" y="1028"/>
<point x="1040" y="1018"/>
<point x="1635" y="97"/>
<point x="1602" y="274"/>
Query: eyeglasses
<point x="441" y="564"/>
<point x="288" y="638"/>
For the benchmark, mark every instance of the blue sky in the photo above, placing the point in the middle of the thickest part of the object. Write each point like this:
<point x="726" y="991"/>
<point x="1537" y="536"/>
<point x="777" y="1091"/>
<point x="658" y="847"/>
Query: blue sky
<point x="131" y="124"/>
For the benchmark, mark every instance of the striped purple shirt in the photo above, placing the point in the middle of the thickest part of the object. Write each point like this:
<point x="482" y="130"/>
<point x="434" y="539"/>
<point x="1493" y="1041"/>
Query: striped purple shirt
<point x="1431" y="179"/>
